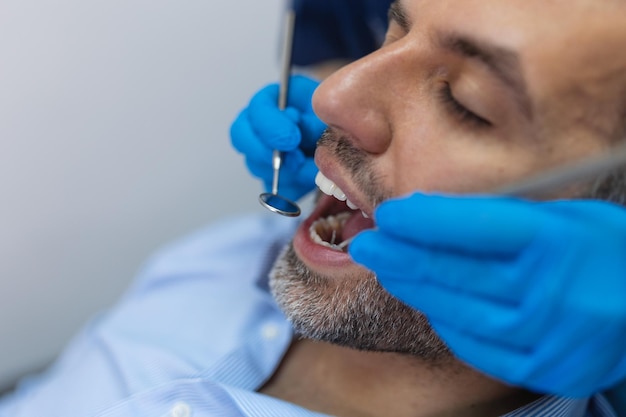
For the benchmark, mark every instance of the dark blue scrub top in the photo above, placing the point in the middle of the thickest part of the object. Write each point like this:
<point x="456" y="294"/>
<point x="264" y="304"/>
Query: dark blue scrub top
<point x="338" y="29"/>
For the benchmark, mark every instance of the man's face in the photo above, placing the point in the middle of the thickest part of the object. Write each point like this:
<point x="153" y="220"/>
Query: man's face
<point x="463" y="96"/>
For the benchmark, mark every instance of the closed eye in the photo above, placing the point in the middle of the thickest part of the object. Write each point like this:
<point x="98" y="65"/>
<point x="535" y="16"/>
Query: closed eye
<point x="459" y="111"/>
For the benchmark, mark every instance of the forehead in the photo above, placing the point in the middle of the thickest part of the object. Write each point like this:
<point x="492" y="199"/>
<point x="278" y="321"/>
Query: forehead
<point x="565" y="47"/>
<point x="535" y="16"/>
<point x="564" y="29"/>
<point x="528" y="25"/>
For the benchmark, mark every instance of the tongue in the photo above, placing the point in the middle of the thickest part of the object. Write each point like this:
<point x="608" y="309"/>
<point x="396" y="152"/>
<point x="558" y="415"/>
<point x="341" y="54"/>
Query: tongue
<point x="355" y="224"/>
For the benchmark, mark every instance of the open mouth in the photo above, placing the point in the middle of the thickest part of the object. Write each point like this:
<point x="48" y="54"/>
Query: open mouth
<point x="338" y="219"/>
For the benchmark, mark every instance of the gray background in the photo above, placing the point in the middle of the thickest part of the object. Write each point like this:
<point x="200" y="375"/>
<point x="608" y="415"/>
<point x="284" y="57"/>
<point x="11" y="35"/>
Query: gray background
<point x="114" y="118"/>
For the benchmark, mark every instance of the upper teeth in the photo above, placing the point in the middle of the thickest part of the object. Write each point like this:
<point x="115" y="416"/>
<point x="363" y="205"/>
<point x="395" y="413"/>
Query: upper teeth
<point x="330" y="188"/>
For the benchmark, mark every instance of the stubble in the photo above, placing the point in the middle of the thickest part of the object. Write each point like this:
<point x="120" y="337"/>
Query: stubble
<point x="355" y="312"/>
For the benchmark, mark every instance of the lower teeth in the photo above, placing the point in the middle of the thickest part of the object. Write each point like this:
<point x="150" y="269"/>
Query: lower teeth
<point x="330" y="226"/>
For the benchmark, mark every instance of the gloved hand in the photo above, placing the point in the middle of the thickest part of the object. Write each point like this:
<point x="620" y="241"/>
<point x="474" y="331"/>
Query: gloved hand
<point x="262" y="127"/>
<point x="532" y="293"/>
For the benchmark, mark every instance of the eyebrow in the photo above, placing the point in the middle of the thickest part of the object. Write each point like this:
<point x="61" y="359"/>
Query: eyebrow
<point x="397" y="14"/>
<point x="503" y="63"/>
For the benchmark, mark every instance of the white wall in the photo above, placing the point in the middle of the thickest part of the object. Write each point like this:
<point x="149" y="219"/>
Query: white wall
<point x="114" y="118"/>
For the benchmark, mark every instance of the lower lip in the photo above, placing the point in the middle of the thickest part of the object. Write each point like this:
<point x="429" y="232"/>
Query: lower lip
<point x="316" y="256"/>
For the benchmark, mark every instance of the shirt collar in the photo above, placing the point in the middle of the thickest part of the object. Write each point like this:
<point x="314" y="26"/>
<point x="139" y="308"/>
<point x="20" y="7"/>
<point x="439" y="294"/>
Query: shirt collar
<point x="552" y="406"/>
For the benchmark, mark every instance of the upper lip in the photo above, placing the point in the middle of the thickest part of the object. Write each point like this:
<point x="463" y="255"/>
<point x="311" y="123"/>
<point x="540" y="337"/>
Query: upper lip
<point x="335" y="172"/>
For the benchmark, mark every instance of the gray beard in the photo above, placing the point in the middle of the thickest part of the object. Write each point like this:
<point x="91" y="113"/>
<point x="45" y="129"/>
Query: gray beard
<point x="356" y="312"/>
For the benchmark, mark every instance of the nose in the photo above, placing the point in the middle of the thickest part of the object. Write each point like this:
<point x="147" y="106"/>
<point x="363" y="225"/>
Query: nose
<point x="357" y="100"/>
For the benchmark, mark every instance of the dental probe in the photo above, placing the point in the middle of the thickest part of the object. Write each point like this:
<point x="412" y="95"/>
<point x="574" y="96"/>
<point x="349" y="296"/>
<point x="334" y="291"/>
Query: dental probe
<point x="273" y="201"/>
<point x="568" y="174"/>
<point x="552" y="179"/>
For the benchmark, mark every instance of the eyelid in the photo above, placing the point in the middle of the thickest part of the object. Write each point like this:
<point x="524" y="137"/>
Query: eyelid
<point x="464" y="114"/>
<point x="394" y="33"/>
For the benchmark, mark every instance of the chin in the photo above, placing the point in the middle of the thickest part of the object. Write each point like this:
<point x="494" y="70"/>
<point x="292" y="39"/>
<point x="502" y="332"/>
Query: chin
<point x="349" y="308"/>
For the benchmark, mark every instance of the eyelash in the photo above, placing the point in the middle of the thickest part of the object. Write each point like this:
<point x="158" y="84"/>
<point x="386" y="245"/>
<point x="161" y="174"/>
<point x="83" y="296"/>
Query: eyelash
<point x="464" y="115"/>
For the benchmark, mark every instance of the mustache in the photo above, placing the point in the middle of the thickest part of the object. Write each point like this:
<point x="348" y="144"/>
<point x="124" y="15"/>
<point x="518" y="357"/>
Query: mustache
<point x="357" y="162"/>
<point x="348" y="155"/>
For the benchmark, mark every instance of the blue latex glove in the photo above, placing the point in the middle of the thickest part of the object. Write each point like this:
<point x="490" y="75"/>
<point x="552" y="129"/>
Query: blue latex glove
<point x="531" y="293"/>
<point x="262" y="127"/>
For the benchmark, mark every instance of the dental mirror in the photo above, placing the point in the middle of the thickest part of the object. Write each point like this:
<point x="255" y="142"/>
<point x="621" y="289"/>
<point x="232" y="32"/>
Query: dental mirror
<point x="274" y="201"/>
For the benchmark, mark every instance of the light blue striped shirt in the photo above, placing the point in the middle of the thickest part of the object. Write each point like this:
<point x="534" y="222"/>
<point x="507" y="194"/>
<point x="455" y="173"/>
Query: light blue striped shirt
<point x="196" y="334"/>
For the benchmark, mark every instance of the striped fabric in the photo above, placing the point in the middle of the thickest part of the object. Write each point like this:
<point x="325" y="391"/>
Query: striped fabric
<point x="550" y="406"/>
<point x="195" y="336"/>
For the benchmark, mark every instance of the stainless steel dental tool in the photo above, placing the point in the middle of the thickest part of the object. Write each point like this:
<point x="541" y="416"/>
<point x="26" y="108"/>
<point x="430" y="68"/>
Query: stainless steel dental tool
<point x="585" y="169"/>
<point x="273" y="201"/>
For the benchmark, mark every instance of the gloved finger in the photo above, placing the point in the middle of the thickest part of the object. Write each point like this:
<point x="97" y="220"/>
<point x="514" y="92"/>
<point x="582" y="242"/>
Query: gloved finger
<point x="297" y="174"/>
<point x="301" y="89"/>
<point x="244" y="140"/>
<point x="590" y="212"/>
<point x="311" y="128"/>
<point x="547" y="375"/>
<point x="616" y="375"/>
<point x="306" y="174"/>
<point x="492" y="359"/>
<point x="291" y="191"/>
<point x="477" y="225"/>
<point x="501" y="362"/>
<point x="261" y="170"/>
<point x="500" y="324"/>
<point x="272" y="126"/>
<point x="566" y="351"/>
<point x="291" y="163"/>
<point x="400" y="260"/>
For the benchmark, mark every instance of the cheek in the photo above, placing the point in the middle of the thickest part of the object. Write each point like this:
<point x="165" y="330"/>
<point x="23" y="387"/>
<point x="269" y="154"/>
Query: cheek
<point x="436" y="161"/>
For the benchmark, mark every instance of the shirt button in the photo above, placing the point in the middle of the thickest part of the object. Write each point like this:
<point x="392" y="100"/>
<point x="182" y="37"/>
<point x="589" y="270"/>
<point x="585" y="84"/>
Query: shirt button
<point x="270" y="331"/>
<point x="180" y="410"/>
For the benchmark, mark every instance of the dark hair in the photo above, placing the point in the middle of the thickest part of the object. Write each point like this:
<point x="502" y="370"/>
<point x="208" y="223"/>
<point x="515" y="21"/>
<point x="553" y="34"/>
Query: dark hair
<point x="611" y="187"/>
